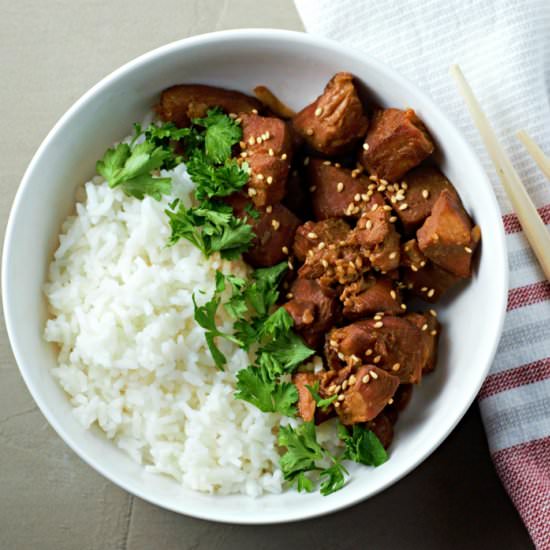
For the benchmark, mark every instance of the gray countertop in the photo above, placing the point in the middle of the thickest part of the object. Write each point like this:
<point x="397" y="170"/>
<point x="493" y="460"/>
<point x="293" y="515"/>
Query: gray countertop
<point x="51" y="52"/>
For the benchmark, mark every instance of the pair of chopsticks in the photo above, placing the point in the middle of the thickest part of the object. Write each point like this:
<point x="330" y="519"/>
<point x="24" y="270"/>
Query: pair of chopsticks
<point x="532" y="224"/>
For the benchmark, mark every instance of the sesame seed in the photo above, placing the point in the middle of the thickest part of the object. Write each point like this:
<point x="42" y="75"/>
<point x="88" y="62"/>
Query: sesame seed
<point x="255" y="111"/>
<point x="404" y="185"/>
<point x="244" y="154"/>
<point x="424" y="289"/>
<point x="381" y="188"/>
<point x="357" y="197"/>
<point x="422" y="263"/>
<point x="242" y="144"/>
<point x="352" y="380"/>
<point x="269" y="180"/>
<point x="403" y="206"/>
<point x="284" y="156"/>
<point x="425" y="193"/>
<point x="337" y="404"/>
<point x="344" y="384"/>
<point x="396" y="367"/>
<point x="379" y="324"/>
<point x="393" y="200"/>
<point x="433" y="312"/>
<point x="290" y="295"/>
<point x="377" y="317"/>
<point x="290" y="264"/>
<point x="354" y="174"/>
<point x="392" y="219"/>
<point x="392" y="255"/>
<point x="327" y="163"/>
<point x="312" y="188"/>
<point x="341" y="397"/>
<point x="338" y="165"/>
<point x="238" y="120"/>
<point x="374" y="207"/>
<point x="309" y="132"/>
<point x="312" y="235"/>
<point x="425" y="327"/>
<point x="431" y="292"/>
<point x="233" y="115"/>
<point x="260" y="177"/>
<point x="414" y="268"/>
<point x="393" y="294"/>
<point x="365" y="197"/>
<point x="433" y="332"/>
<point x="251" y="140"/>
<point x="359" y="262"/>
<point x="269" y="209"/>
<point x="468" y="249"/>
<point x="333" y="343"/>
<point x="258" y="140"/>
<point x="310" y="253"/>
<point x="276" y="224"/>
<point x="271" y="152"/>
<point x="386" y="208"/>
<point x="267" y="135"/>
<point x="374" y="178"/>
<point x="390" y="400"/>
<point x="384" y="182"/>
<point x="339" y="187"/>
<point x="373" y="374"/>
<point x="318" y="111"/>
<point x="403" y="307"/>
<point x="284" y="249"/>
<point x="368" y="352"/>
<point x="331" y="388"/>
<point x="366" y="146"/>
<point x="324" y="263"/>
<point x="252" y="192"/>
<point x="377" y="359"/>
<point x="337" y="389"/>
<point x="435" y="237"/>
<point x="320" y="246"/>
<point x="306" y="161"/>
<point x="365" y="379"/>
<point x="368" y="225"/>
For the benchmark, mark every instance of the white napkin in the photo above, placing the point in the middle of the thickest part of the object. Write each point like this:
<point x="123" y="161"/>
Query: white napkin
<point x="503" y="48"/>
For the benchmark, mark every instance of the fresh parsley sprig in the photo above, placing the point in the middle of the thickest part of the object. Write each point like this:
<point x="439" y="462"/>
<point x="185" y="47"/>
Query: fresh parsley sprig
<point x="362" y="445"/>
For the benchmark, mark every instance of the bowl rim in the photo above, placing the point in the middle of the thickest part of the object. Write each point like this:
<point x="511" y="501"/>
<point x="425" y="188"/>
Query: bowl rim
<point x="297" y="38"/>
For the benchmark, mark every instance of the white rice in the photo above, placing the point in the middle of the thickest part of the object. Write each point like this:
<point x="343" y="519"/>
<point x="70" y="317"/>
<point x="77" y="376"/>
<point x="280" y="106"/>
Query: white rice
<point x="131" y="357"/>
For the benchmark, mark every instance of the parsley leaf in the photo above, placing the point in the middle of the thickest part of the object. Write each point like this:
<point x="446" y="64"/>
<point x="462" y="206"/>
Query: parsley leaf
<point x="335" y="478"/>
<point x="323" y="404"/>
<point x="211" y="227"/>
<point x="251" y="211"/>
<point x="131" y="165"/>
<point x="222" y="133"/>
<point x="362" y="446"/>
<point x="205" y="316"/>
<point x="255" y="386"/>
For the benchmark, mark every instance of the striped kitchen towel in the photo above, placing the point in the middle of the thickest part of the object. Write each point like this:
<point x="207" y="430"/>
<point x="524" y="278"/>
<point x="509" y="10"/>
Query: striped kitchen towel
<point x="503" y="47"/>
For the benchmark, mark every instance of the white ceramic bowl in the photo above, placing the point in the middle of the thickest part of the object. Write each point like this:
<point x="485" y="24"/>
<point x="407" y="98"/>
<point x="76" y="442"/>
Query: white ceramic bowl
<point x="296" y="66"/>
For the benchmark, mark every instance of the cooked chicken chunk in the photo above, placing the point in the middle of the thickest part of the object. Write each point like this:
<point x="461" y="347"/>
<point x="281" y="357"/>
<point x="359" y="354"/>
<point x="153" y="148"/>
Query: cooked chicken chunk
<point x="180" y="104"/>
<point x="396" y="142"/>
<point x="335" y="121"/>
<point x="318" y="235"/>
<point x="368" y="296"/>
<point x="447" y="237"/>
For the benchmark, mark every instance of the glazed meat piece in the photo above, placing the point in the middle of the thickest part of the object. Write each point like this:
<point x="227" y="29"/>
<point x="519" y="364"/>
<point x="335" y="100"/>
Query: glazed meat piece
<point x="375" y="231"/>
<point x="267" y="135"/>
<point x="312" y="235"/>
<point x="266" y="147"/>
<point x="314" y="309"/>
<point x="447" y="237"/>
<point x="382" y="427"/>
<point x="274" y="230"/>
<point x="392" y="343"/>
<point x="422" y="277"/>
<point x="396" y="142"/>
<point x="179" y="104"/>
<point x="334" y="190"/>
<point x="367" y="393"/>
<point x="421" y="190"/>
<point x="431" y="328"/>
<point x="335" y="121"/>
<point x="306" y="403"/>
<point x="370" y="295"/>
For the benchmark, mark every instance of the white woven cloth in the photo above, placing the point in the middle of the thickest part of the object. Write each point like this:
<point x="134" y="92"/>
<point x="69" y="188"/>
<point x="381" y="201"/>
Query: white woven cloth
<point x="503" y="47"/>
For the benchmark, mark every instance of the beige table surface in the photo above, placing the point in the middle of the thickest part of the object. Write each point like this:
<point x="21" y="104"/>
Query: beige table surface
<point x="52" y="51"/>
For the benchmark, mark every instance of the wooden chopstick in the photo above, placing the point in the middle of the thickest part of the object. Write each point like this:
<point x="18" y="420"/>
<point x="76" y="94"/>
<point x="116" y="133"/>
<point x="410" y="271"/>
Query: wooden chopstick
<point x="535" y="151"/>
<point x="533" y="226"/>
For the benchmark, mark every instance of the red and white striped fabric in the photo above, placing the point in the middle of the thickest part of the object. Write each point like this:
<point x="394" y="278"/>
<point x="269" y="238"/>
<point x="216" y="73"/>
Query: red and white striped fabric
<point x="504" y="49"/>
